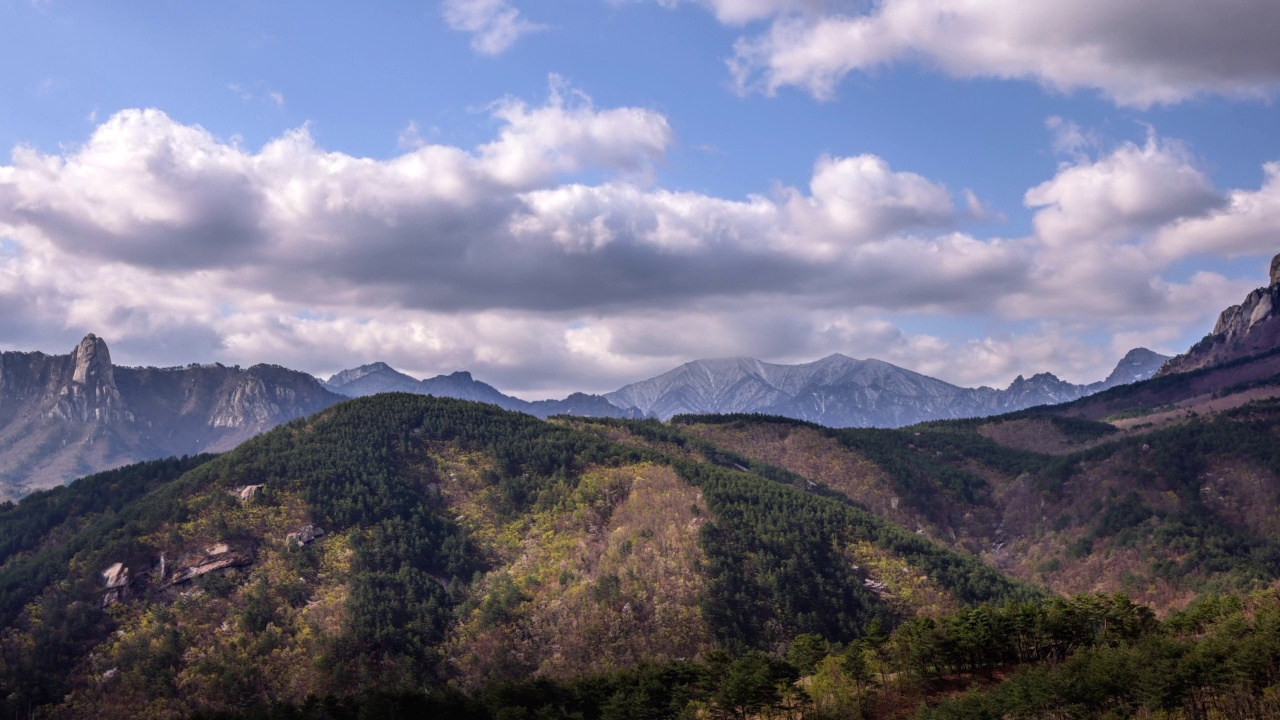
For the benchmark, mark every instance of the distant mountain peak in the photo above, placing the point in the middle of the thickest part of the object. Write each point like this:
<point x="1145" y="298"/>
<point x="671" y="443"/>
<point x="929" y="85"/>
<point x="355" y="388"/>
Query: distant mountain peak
<point x="1137" y="364"/>
<point x="347" y="377"/>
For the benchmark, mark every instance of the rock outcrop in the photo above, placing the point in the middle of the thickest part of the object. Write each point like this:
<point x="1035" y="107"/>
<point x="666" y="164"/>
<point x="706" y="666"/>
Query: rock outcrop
<point x="219" y="556"/>
<point x="245" y="493"/>
<point x="306" y="535"/>
<point x="90" y="394"/>
<point x="1244" y="330"/>
<point x="65" y="416"/>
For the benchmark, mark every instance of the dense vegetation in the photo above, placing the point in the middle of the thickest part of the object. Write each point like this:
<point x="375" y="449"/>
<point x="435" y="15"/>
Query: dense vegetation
<point x="779" y="556"/>
<point x="460" y="540"/>
<point x="1090" y="656"/>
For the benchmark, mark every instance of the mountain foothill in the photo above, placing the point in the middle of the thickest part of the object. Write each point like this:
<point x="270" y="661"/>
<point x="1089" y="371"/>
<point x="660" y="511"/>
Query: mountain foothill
<point x="732" y="539"/>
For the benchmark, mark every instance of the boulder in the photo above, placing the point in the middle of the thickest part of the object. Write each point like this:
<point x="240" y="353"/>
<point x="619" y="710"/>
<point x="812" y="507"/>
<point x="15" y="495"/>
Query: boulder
<point x="115" y="576"/>
<point x="219" y="556"/>
<point x="245" y="493"/>
<point x="116" y="580"/>
<point x="306" y="535"/>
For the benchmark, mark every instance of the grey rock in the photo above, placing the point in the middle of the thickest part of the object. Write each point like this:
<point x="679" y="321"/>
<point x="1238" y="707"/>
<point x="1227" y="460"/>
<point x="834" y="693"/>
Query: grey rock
<point x="245" y="493"/>
<point x="1244" y="330"/>
<point x="64" y="416"/>
<point x="219" y="556"/>
<point x="306" y="535"/>
<point x="115" y="576"/>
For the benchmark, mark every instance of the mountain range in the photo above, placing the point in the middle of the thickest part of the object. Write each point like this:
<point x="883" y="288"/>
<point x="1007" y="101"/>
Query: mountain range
<point x="379" y="377"/>
<point x="839" y="391"/>
<point x="836" y="391"/>
<point x="63" y="416"/>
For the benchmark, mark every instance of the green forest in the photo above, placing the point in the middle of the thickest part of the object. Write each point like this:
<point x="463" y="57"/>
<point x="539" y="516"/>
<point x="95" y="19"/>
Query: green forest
<point x="481" y="563"/>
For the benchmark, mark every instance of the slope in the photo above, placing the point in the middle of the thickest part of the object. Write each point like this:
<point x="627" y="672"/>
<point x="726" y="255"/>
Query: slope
<point x="399" y="541"/>
<point x="1162" y="516"/>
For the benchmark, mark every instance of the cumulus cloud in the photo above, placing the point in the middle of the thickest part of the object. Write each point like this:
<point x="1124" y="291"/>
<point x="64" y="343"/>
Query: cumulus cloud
<point x="568" y="134"/>
<point x="494" y="24"/>
<point x="443" y="228"/>
<point x="1132" y="188"/>
<point x="1245" y="224"/>
<point x="505" y="260"/>
<point x="1096" y="247"/>
<point x="1138" y="53"/>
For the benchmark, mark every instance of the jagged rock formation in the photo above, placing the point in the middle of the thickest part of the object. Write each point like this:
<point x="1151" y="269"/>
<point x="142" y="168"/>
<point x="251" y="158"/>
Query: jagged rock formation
<point x="840" y="391"/>
<point x="379" y="378"/>
<point x="64" y="416"/>
<point x="1250" y="328"/>
<point x="91" y="394"/>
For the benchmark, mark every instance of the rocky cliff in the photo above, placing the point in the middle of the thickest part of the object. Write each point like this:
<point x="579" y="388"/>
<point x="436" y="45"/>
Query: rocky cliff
<point x="1250" y="328"/>
<point x="64" y="416"/>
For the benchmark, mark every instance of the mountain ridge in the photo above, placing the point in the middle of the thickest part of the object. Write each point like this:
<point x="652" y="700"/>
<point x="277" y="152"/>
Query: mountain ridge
<point x="840" y="391"/>
<point x="64" y="416"/>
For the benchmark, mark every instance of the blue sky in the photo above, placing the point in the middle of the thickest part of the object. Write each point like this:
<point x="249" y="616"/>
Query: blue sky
<point x="574" y="195"/>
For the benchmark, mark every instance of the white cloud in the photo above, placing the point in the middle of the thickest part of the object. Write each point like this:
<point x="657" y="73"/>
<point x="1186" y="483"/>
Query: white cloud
<point x="1132" y="188"/>
<point x="1097" y="257"/>
<point x="738" y="12"/>
<point x="1138" y="52"/>
<point x="502" y="259"/>
<point x="1069" y="139"/>
<point x="568" y="134"/>
<point x="494" y="24"/>
<point x="861" y="198"/>
<point x="1246" y="224"/>
<point x="410" y="138"/>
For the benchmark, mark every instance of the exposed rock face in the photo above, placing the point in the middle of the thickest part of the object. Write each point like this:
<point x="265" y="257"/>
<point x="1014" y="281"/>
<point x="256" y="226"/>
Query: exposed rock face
<point x="91" y="393"/>
<point x="245" y="493"/>
<point x="117" y="583"/>
<point x="1250" y="328"/>
<point x="306" y="535"/>
<point x="115" y="576"/>
<point x="64" y="416"/>
<point x="219" y="556"/>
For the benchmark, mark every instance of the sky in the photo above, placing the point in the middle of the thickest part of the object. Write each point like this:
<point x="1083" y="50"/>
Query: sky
<point x="574" y="195"/>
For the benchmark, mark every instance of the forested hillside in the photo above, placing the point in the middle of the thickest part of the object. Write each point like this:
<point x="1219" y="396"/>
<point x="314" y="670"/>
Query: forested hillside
<point x="405" y="554"/>
<point x="1163" y="514"/>
<point x="401" y="543"/>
